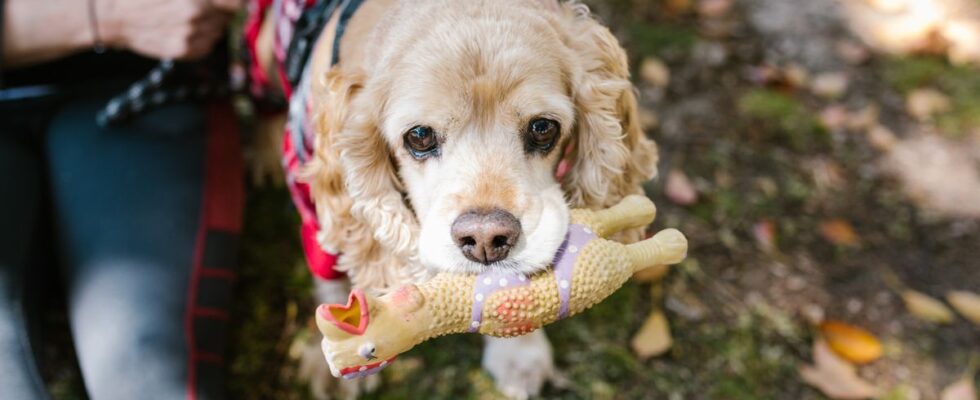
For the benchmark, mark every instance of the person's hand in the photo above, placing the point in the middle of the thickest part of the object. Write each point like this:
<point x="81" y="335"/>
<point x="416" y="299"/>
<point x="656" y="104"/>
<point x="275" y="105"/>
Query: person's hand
<point x="181" y="29"/>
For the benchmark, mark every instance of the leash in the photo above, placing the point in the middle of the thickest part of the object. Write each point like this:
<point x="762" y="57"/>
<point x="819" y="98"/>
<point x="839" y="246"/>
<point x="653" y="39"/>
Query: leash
<point x="169" y="82"/>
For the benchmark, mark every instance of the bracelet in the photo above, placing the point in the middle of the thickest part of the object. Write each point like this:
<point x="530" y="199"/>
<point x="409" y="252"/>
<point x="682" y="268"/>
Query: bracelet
<point x="98" y="46"/>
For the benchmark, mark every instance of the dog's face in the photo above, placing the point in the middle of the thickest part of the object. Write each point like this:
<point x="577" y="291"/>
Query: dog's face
<point x="449" y="135"/>
<point x="477" y="124"/>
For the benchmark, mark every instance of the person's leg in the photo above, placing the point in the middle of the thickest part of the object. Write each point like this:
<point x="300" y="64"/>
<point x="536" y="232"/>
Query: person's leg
<point x="20" y="198"/>
<point x="148" y="216"/>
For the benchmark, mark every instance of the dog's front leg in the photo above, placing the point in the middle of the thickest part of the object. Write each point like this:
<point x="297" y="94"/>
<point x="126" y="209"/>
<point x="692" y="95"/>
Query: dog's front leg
<point x="313" y="367"/>
<point x="520" y="366"/>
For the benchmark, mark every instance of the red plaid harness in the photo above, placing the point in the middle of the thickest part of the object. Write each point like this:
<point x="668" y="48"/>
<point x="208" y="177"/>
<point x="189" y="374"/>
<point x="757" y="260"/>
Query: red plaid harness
<point x="297" y="27"/>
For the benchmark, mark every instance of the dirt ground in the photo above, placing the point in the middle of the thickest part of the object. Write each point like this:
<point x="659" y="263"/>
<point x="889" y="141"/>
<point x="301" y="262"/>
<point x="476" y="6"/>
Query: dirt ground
<point x="775" y="169"/>
<point x="760" y="152"/>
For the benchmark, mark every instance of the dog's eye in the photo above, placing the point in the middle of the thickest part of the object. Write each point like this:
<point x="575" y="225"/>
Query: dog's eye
<point x="421" y="141"/>
<point x="542" y="134"/>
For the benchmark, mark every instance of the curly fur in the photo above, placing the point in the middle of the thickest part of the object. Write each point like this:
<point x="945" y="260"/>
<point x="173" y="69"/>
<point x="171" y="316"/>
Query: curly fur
<point x="356" y="181"/>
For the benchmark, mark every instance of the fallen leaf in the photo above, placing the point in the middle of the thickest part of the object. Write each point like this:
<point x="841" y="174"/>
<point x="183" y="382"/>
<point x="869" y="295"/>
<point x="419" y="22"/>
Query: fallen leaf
<point x="765" y="235"/>
<point x="655" y="72"/>
<point x="962" y="389"/>
<point x="675" y="7"/>
<point x="679" y="189"/>
<point x="881" y="138"/>
<point x="926" y="308"/>
<point x="852" y="52"/>
<point x="763" y="74"/>
<point x="839" y="232"/>
<point x="835" y="377"/>
<point x="834" y="117"/>
<point x="714" y="8"/>
<point x="864" y="119"/>
<point x="922" y="104"/>
<point x="965" y="303"/>
<point x="829" y="85"/>
<point x="938" y="173"/>
<point x="795" y="75"/>
<point x="854" y="344"/>
<point x="653" y="339"/>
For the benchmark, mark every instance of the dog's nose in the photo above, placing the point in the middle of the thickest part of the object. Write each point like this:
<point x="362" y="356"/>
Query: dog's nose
<point x="486" y="236"/>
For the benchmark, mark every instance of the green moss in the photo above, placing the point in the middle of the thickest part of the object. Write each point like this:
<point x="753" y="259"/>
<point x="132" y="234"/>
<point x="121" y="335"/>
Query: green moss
<point x="905" y="74"/>
<point x="783" y="118"/>
<point x="960" y="83"/>
<point x="661" y="40"/>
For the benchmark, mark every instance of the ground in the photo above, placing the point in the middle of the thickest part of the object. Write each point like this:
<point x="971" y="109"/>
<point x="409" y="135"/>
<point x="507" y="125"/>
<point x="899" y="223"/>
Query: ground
<point x="759" y="152"/>
<point x="780" y="183"/>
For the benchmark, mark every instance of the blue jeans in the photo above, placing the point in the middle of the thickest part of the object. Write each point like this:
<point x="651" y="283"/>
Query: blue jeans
<point x="140" y="224"/>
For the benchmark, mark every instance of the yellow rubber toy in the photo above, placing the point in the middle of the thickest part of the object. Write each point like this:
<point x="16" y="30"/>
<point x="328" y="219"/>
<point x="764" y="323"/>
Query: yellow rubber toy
<point x="366" y="334"/>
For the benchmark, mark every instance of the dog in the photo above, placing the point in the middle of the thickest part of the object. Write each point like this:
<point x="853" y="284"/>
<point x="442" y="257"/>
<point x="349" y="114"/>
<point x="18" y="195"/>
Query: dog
<point x="448" y="135"/>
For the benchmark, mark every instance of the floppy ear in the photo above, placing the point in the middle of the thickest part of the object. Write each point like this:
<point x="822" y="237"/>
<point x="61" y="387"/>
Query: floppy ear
<point x="613" y="157"/>
<point x="354" y="179"/>
<point x="371" y="176"/>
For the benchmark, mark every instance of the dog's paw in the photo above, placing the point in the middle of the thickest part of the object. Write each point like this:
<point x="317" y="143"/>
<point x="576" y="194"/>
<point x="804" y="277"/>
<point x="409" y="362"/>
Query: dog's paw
<point x="520" y="366"/>
<point x="314" y="370"/>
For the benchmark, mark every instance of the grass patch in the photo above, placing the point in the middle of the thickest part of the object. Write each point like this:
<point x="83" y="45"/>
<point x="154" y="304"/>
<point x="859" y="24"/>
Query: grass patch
<point x="663" y="40"/>
<point x="783" y="114"/>
<point x="960" y="83"/>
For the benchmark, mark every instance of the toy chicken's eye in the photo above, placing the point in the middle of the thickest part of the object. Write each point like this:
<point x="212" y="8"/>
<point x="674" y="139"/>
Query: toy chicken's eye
<point x="367" y="351"/>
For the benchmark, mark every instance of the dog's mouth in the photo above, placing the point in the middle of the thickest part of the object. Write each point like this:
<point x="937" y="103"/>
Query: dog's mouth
<point x="365" y="370"/>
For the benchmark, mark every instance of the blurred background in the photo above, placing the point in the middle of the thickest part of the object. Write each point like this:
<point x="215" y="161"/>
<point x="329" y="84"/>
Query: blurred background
<point x="823" y="158"/>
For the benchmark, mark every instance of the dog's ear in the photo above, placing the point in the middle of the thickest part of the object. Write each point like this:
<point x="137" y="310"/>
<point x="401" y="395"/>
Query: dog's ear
<point x="613" y="157"/>
<point x="354" y="179"/>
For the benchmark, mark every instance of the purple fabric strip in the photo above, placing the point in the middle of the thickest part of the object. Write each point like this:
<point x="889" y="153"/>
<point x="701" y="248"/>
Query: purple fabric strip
<point x="488" y="283"/>
<point x="564" y="263"/>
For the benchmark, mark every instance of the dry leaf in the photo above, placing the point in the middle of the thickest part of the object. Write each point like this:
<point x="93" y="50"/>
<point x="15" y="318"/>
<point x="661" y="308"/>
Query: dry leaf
<point x="679" y="189"/>
<point x="655" y="72"/>
<point x="835" y="377"/>
<point x="839" y="232"/>
<point x="881" y="138"/>
<point x="940" y="174"/>
<point x="864" y="119"/>
<point x="714" y="8"/>
<point x="852" y="52"/>
<point x="829" y="85"/>
<point x="854" y="344"/>
<point x="962" y="389"/>
<point x="924" y="103"/>
<point x="653" y="339"/>
<point x="965" y="303"/>
<point x="675" y="7"/>
<point x="795" y="75"/>
<point x="765" y="234"/>
<point x="834" y="117"/>
<point x="927" y="308"/>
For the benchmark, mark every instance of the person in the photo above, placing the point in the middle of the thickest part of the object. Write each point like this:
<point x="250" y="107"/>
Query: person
<point x="138" y="220"/>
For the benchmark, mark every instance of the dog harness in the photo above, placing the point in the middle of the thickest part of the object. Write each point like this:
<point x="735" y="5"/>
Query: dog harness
<point x="298" y="25"/>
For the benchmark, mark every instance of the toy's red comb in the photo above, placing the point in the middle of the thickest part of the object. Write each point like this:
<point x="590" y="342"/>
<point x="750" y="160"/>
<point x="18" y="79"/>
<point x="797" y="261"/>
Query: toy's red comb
<point x="351" y="318"/>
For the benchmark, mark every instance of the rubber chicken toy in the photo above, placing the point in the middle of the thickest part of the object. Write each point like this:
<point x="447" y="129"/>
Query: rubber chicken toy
<point x="365" y="335"/>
